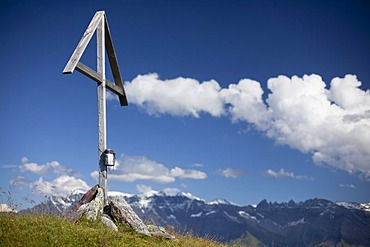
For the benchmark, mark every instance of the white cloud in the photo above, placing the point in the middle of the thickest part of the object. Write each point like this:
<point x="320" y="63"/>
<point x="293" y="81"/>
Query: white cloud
<point x="50" y="167"/>
<point x="20" y="182"/>
<point x="308" y="117"/>
<point x="111" y="96"/>
<point x="231" y="173"/>
<point x="282" y="173"/>
<point x="171" y="191"/>
<point x="345" y="92"/>
<point x="332" y="124"/>
<point x="245" y="102"/>
<point x="191" y="174"/>
<point x="141" y="188"/>
<point x="179" y="97"/>
<point x="24" y="160"/>
<point x="60" y="186"/>
<point x="197" y="165"/>
<point x="132" y="168"/>
<point x="63" y="182"/>
<point x="349" y="186"/>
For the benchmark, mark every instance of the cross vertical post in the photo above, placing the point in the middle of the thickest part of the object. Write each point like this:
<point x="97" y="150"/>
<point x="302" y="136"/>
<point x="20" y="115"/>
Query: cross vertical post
<point x="102" y="128"/>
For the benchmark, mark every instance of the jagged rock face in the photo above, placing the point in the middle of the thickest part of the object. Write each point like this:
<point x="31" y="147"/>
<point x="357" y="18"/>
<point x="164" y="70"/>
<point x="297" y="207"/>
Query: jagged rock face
<point x="86" y="198"/>
<point x="94" y="208"/>
<point x="91" y="205"/>
<point x="308" y="223"/>
<point x="109" y="223"/>
<point x="122" y="212"/>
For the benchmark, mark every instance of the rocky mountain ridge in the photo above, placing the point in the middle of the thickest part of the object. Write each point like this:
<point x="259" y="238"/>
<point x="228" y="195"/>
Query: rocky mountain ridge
<point x="309" y="223"/>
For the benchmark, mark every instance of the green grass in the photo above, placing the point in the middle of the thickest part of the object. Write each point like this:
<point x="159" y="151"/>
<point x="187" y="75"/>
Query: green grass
<point x="46" y="230"/>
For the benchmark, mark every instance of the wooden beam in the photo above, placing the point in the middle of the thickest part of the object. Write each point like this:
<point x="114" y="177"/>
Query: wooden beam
<point x="114" y="63"/>
<point x="72" y="63"/>
<point x="102" y="119"/>
<point x="92" y="74"/>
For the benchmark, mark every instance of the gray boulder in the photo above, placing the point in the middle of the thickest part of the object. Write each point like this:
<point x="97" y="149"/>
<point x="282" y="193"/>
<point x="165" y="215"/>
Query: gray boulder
<point x="122" y="212"/>
<point x="109" y="222"/>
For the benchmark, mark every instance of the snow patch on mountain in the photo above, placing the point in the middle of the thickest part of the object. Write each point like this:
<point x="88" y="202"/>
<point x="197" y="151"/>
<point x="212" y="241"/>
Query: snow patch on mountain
<point x="353" y="205"/>
<point x="121" y="194"/>
<point x="247" y="216"/>
<point x="297" y="222"/>
<point x="233" y="218"/>
<point x="144" y="202"/>
<point x="219" y="201"/>
<point x="77" y="192"/>
<point x="211" y="212"/>
<point x="172" y="217"/>
<point x="196" y="215"/>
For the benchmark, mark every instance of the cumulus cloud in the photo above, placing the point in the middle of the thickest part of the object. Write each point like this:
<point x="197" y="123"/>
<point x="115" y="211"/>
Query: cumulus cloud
<point x="20" y="182"/>
<point x="330" y="123"/>
<point x="179" y="97"/>
<point x="141" y="188"/>
<point x="61" y="186"/>
<point x="191" y="174"/>
<point x="285" y="174"/>
<point x="61" y="180"/>
<point x="231" y="173"/>
<point x="132" y="168"/>
<point x="110" y="96"/>
<point x="245" y="103"/>
<point x="50" y="167"/>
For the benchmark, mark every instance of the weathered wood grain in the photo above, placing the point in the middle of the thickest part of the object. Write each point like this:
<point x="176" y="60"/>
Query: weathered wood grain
<point x="92" y="74"/>
<point x="114" y="64"/>
<point x="71" y="65"/>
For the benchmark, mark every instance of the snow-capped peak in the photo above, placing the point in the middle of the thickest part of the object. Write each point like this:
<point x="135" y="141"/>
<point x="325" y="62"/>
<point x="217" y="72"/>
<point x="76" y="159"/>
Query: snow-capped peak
<point x="149" y="193"/>
<point x="353" y="205"/>
<point x="76" y="192"/>
<point x="220" y="201"/>
<point x="192" y="197"/>
<point x="117" y="193"/>
<point x="177" y="192"/>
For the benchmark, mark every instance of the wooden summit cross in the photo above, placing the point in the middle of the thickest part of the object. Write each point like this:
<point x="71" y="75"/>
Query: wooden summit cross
<point x="104" y="41"/>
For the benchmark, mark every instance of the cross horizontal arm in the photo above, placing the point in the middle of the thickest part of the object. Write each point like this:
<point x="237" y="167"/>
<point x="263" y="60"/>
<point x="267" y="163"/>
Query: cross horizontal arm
<point x="85" y="70"/>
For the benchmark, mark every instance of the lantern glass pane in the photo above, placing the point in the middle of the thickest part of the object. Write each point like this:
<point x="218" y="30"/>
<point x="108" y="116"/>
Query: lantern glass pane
<point x="109" y="159"/>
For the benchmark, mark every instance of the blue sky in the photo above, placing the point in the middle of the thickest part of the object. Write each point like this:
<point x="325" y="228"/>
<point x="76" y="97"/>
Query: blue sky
<point x="241" y="100"/>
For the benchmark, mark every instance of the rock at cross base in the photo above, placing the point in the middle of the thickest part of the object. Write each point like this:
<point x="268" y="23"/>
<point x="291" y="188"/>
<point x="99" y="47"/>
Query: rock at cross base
<point x="122" y="212"/>
<point x="91" y="204"/>
<point x="94" y="208"/>
<point x="86" y="198"/>
<point x="109" y="223"/>
<point x="160" y="231"/>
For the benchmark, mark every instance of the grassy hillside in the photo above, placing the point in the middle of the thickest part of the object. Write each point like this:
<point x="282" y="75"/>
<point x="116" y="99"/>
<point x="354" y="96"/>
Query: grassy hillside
<point x="46" y="230"/>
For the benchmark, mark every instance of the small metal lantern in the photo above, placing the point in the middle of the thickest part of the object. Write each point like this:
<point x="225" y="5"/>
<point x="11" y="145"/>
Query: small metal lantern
<point x="109" y="157"/>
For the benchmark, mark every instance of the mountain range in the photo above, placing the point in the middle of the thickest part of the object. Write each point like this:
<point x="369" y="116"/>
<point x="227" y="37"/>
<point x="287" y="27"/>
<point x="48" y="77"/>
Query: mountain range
<point x="314" y="222"/>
